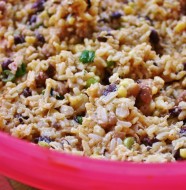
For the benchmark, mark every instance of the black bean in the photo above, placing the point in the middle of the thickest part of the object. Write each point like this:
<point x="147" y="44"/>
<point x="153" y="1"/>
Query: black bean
<point x="40" y="38"/>
<point x="115" y="15"/>
<point x="101" y="39"/>
<point x="154" y="37"/>
<point x="40" y="79"/>
<point x="51" y="71"/>
<point x="33" y="19"/>
<point x="45" y="139"/>
<point x="110" y="88"/>
<point x="155" y="64"/>
<point x="27" y="92"/>
<point x="5" y="64"/>
<point x="38" y="5"/>
<point x="148" y="142"/>
<point x="19" y="39"/>
<point x="19" y="117"/>
<point x="175" y="111"/>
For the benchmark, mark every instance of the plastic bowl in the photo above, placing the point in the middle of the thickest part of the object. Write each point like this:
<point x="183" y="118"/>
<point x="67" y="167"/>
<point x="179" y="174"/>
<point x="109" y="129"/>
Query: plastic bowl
<point x="47" y="169"/>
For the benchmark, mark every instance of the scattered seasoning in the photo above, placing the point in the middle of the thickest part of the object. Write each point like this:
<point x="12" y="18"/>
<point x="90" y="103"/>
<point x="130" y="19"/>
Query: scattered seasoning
<point x="51" y="71"/>
<point x="183" y="131"/>
<point x="101" y="39"/>
<point x="154" y="37"/>
<point x="21" y="118"/>
<point x="175" y="111"/>
<point x="128" y="142"/>
<point x="110" y="88"/>
<point x="149" y="19"/>
<point x="89" y="4"/>
<point x="40" y="79"/>
<point x="79" y="119"/>
<point x="115" y="15"/>
<point x="155" y="64"/>
<point x="21" y="70"/>
<point x="40" y="38"/>
<point x="60" y="97"/>
<point x="27" y="92"/>
<point x="91" y="81"/>
<point x="7" y="76"/>
<point x="87" y="56"/>
<point x="6" y="63"/>
<point x="33" y="19"/>
<point x="63" y="141"/>
<point x="38" y="5"/>
<point x="19" y="39"/>
<point x="110" y="63"/>
<point x="45" y="139"/>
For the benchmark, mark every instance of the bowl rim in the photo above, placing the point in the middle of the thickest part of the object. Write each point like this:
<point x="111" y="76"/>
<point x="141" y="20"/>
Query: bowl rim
<point x="44" y="168"/>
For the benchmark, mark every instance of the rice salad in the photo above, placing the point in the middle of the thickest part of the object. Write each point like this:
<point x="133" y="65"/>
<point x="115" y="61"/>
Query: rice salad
<point x="104" y="79"/>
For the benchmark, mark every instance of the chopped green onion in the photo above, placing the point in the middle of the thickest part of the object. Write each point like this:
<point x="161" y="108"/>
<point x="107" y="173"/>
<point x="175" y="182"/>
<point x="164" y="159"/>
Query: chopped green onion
<point x="91" y="81"/>
<point x="110" y="63"/>
<point x="8" y="76"/>
<point x="79" y="119"/>
<point x="128" y="142"/>
<point x="87" y="56"/>
<point x="21" y="70"/>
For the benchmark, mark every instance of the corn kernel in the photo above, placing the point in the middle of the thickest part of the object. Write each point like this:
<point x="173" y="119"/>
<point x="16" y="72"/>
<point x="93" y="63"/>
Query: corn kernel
<point x="180" y="27"/>
<point x="128" y="10"/>
<point x="183" y="153"/>
<point x="71" y="20"/>
<point x="52" y="20"/>
<point x="122" y="92"/>
<point x="43" y="144"/>
<point x="126" y="82"/>
<point x="30" y="39"/>
<point x="19" y="15"/>
<point x="76" y="101"/>
<point x="154" y="90"/>
<point x="57" y="46"/>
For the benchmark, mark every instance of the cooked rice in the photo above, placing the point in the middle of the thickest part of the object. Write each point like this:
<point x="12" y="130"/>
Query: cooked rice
<point x="90" y="109"/>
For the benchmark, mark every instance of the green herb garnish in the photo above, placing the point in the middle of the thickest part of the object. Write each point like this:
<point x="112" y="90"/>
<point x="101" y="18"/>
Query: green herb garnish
<point x="91" y="81"/>
<point x="79" y="119"/>
<point x="87" y="56"/>
<point x="21" y="70"/>
<point x="7" y="76"/>
<point x="110" y="63"/>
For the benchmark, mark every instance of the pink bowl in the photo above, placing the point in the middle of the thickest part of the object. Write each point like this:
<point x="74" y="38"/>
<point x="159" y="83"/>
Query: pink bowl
<point x="46" y="169"/>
